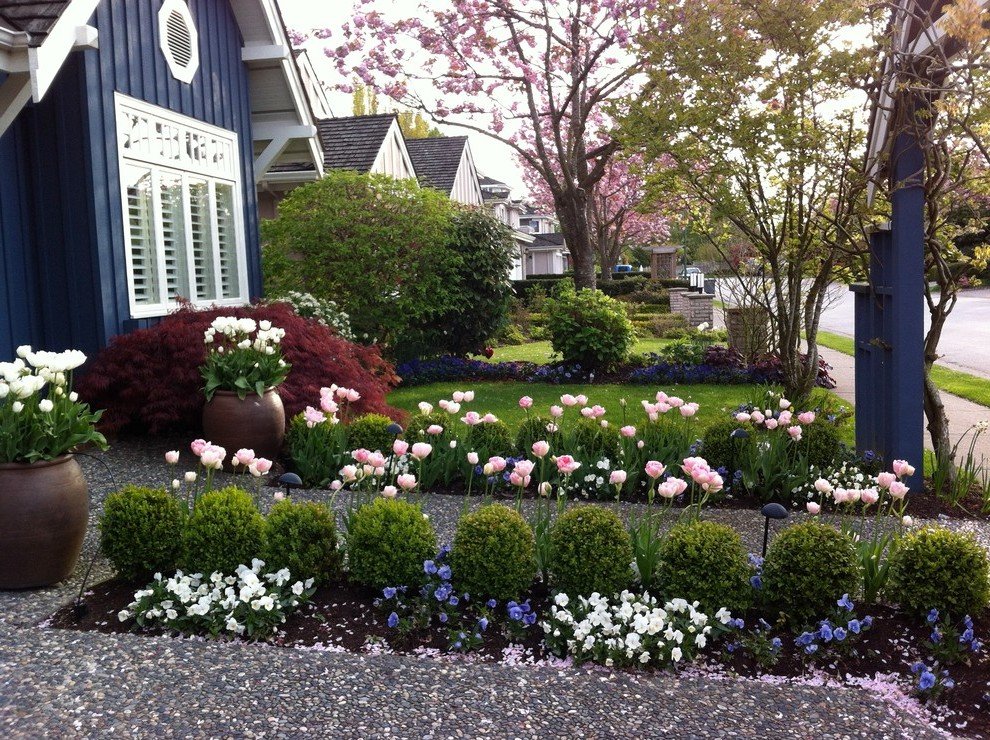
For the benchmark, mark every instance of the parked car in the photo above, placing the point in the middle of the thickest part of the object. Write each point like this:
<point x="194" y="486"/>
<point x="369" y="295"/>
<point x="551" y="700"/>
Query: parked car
<point x="622" y="268"/>
<point x="686" y="272"/>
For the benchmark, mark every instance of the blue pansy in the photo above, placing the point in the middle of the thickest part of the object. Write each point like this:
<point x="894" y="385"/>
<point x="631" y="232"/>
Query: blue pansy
<point x="854" y="626"/>
<point x="839" y="633"/>
<point x="933" y="616"/>
<point x="388" y="592"/>
<point x="491" y="603"/>
<point x="926" y="681"/>
<point x="429" y="567"/>
<point x="846" y="603"/>
<point x="444" y="572"/>
<point x="393" y="620"/>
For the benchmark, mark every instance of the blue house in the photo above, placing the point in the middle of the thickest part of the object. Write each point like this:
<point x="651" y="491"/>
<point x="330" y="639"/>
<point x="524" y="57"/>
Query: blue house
<point x="134" y="135"/>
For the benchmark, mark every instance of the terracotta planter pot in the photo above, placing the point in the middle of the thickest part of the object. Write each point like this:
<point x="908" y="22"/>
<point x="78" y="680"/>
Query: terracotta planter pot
<point x="44" y="510"/>
<point x="256" y="423"/>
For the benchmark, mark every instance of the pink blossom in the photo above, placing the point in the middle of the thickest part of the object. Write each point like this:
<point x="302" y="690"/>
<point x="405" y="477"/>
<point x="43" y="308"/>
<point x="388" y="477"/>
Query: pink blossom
<point x="313" y="416"/>
<point x="813" y="508"/>
<point x="471" y="418"/>
<point x="567" y="464"/>
<point x="279" y="495"/>
<point x="434" y="429"/>
<point x="197" y="446"/>
<point x="640" y="444"/>
<point x="675" y="402"/>
<point x="400" y="447"/>
<point x="353" y="395"/>
<point x="689" y="409"/>
<point x="655" y="468"/>
<point x="653" y="416"/>
<point x="672" y="488"/>
<point x="568" y="400"/>
<point x="390" y="492"/>
<point x="336" y="485"/>
<point x="545" y="488"/>
<point x="376" y="460"/>
<point x="426" y="409"/>
<point x="172" y="457"/>
<point x="458" y="396"/>
<point x="361" y="455"/>
<point x="349" y="473"/>
<point x="518" y="479"/>
<point x="795" y="432"/>
<point x="885" y="479"/>
<point x="771" y="423"/>
<point x="210" y="459"/>
<point x="243" y="457"/>
<point x="526" y="402"/>
<point x="421" y="450"/>
<point x="785" y="418"/>
<point x="806" y="417"/>
<point x="628" y="431"/>
<point x="691" y="463"/>
<point x="472" y="458"/>
<point x="582" y="400"/>
<point x="341" y="393"/>
<point x="468" y="396"/>
<point x="498" y="463"/>
<point x="742" y="417"/>
<point x="453" y="408"/>
<point x="489" y="418"/>
<point x="757" y="417"/>
<point x="406" y="481"/>
<point x="903" y="469"/>
<point x="524" y="467"/>
<point x="823" y="486"/>
<point x="663" y="408"/>
<point x="328" y="405"/>
<point x="587" y="412"/>
<point x="662" y="397"/>
<point x="898" y="490"/>
<point x="541" y="448"/>
<point x="870" y="496"/>
<point x="784" y="403"/>
<point x="617" y="477"/>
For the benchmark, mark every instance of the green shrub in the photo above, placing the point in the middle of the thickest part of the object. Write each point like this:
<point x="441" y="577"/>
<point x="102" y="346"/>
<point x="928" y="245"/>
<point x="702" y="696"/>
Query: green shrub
<point x="303" y="538"/>
<point x="589" y="328"/>
<point x="820" y="444"/>
<point x="721" y="449"/>
<point x="493" y="553"/>
<point x="419" y="423"/>
<point x="141" y="532"/>
<point x="707" y="562"/>
<point x="594" y="440"/>
<point x="808" y="567"/>
<point x="224" y="531"/>
<point x="591" y="552"/>
<point x="315" y="451"/>
<point x="937" y="568"/>
<point x="511" y="335"/>
<point x="665" y="441"/>
<point x="491" y="438"/>
<point x="370" y="432"/>
<point x="387" y="542"/>
<point x="534" y="429"/>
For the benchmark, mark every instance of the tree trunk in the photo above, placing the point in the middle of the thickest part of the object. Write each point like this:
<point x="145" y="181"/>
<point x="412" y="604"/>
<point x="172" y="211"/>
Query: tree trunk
<point x="938" y="421"/>
<point x="572" y="211"/>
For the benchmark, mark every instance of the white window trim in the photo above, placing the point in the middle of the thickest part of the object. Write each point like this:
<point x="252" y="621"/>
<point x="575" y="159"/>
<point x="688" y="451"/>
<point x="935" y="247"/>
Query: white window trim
<point x="181" y="73"/>
<point x="162" y="308"/>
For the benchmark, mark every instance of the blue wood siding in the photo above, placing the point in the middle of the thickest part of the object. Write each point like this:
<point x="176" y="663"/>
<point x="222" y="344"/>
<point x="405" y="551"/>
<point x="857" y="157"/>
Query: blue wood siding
<point x="63" y="277"/>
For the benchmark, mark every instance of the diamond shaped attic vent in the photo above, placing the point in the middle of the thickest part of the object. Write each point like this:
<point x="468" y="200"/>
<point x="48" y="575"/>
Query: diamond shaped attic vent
<point x="179" y="39"/>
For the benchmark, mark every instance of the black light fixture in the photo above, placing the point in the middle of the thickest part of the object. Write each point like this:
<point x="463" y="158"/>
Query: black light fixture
<point x="394" y="429"/>
<point x="771" y="511"/>
<point x="289" y="481"/>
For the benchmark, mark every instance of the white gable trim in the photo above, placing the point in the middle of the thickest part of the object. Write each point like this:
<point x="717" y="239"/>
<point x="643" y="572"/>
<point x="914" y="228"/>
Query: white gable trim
<point x="394" y="144"/>
<point x="466" y="180"/>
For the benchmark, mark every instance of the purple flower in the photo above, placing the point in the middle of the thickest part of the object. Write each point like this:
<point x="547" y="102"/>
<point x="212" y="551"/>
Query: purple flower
<point x="846" y="603"/>
<point x="491" y="604"/>
<point x="444" y="572"/>
<point x="854" y="626"/>
<point x="389" y="592"/>
<point x="926" y="681"/>
<point x="393" y="620"/>
<point x="429" y="567"/>
<point x="933" y="616"/>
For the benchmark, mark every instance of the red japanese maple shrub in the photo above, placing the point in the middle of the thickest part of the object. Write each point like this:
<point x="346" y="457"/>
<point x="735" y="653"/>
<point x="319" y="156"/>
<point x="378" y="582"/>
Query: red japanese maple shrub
<point x="149" y="379"/>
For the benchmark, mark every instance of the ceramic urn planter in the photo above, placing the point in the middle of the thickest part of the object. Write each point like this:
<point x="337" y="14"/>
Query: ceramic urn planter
<point x="256" y="423"/>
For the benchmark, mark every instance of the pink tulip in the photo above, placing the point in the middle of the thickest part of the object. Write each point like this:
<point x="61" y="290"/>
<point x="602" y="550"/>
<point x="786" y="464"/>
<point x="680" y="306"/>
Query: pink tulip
<point x="713" y="483"/>
<point x="279" y="495"/>
<point x="795" y="432"/>
<point x="390" y="492"/>
<point x="568" y="400"/>
<point x="313" y="416"/>
<point x="471" y="418"/>
<point x="870" y="496"/>
<point x="525" y="467"/>
<point x="906" y="521"/>
<point x="628" y="431"/>
<point x="517" y="479"/>
<point x="444" y="404"/>
<point x="406" y="481"/>
<point x="771" y="423"/>
<point x="662" y="397"/>
<point x="617" y="477"/>
<point x="675" y="402"/>
<point x="672" y="488"/>
<point x="348" y="473"/>
<point x="898" y="490"/>
<point x="526" y="402"/>
<point x="903" y="469"/>
<point x="785" y="418"/>
<point x="458" y="396"/>
<point x="556" y="412"/>
<point x="640" y="444"/>
<point x="653" y="416"/>
<point x="336" y="485"/>
<point x="361" y="455"/>
<point x="453" y="408"/>
<point x="690" y="463"/>
<point x="376" y="460"/>
<point x="353" y="395"/>
<point x="853" y="496"/>
<point x="582" y="400"/>
<point x="742" y="417"/>
<point x="342" y="393"/>
<point x="541" y="448"/>
<point x="806" y="417"/>
<point x="197" y="446"/>
<point x="328" y="405"/>
<point x="587" y="412"/>
<point x="885" y="479"/>
<point x="489" y="418"/>
<point x="379" y="472"/>
<point x="784" y="403"/>
<point x="328" y="392"/>
<point x="434" y="429"/>
<point x="472" y="458"/>
<point x="823" y="486"/>
<point x="497" y="463"/>
<point x="689" y="409"/>
<point x="545" y="488"/>
<point x="567" y="464"/>
<point x="468" y="396"/>
<point x="663" y="408"/>
<point x="172" y="457"/>
<point x="426" y="409"/>
<point x="400" y="447"/>
<point x="757" y="417"/>
<point x="421" y="450"/>
<point x="655" y="468"/>
<point x="243" y="457"/>
<point x="841" y="495"/>
<point x="813" y="508"/>
<point x="210" y="459"/>
<point x="598" y="411"/>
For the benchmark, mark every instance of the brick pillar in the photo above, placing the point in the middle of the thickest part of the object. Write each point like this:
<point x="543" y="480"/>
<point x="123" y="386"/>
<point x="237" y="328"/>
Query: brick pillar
<point x="700" y="309"/>
<point x="678" y="301"/>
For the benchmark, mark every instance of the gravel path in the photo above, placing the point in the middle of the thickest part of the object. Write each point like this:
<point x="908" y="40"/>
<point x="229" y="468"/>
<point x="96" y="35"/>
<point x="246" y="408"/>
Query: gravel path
<point x="69" y="684"/>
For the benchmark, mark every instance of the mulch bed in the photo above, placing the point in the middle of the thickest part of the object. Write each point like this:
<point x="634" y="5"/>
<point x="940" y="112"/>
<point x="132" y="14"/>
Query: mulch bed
<point x="343" y="617"/>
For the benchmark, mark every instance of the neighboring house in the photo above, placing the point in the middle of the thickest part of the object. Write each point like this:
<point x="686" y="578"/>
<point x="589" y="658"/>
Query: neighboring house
<point x="132" y="134"/>
<point x="536" y="221"/>
<point x="445" y="164"/>
<point x="499" y="201"/>
<point x="547" y="255"/>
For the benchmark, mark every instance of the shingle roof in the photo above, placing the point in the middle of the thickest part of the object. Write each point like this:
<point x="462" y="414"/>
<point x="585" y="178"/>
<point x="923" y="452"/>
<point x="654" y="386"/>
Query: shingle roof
<point x="437" y="160"/>
<point x="483" y="180"/>
<point x="353" y="143"/>
<point x="33" y="18"/>
<point x="555" y="239"/>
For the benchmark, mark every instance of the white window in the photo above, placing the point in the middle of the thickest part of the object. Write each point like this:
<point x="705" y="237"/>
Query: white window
<point x="183" y="213"/>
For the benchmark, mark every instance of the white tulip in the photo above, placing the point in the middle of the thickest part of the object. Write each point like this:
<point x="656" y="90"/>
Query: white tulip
<point x="17" y="407"/>
<point x="73" y="396"/>
<point x="46" y="406"/>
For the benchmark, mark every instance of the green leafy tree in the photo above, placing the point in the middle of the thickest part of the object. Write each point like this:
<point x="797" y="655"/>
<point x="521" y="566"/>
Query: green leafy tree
<point x="748" y="102"/>
<point x="375" y="245"/>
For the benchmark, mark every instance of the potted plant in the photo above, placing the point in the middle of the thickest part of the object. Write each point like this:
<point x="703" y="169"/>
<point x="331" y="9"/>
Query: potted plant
<point x="243" y="367"/>
<point x="44" y="501"/>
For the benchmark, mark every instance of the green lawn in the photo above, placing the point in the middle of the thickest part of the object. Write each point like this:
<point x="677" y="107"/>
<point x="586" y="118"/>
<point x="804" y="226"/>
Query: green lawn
<point x="964" y="385"/>
<point x="539" y="352"/>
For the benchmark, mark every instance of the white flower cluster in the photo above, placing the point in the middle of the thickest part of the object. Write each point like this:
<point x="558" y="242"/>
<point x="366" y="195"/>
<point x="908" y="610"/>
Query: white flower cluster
<point x="238" y="333"/>
<point x="249" y="603"/>
<point x="846" y="476"/>
<point x="593" y="484"/>
<point x="27" y="375"/>
<point x="325" y="311"/>
<point x="630" y="629"/>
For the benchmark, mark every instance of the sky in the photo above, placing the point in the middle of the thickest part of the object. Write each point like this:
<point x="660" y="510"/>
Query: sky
<point x="492" y="158"/>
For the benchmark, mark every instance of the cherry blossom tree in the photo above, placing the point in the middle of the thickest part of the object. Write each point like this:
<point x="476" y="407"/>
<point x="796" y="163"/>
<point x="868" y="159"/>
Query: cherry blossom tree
<point x="618" y="217"/>
<point x="532" y="74"/>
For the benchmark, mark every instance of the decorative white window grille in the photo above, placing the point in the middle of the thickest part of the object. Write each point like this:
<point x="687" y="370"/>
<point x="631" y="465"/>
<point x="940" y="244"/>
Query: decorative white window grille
<point x="178" y="39"/>
<point x="183" y="211"/>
